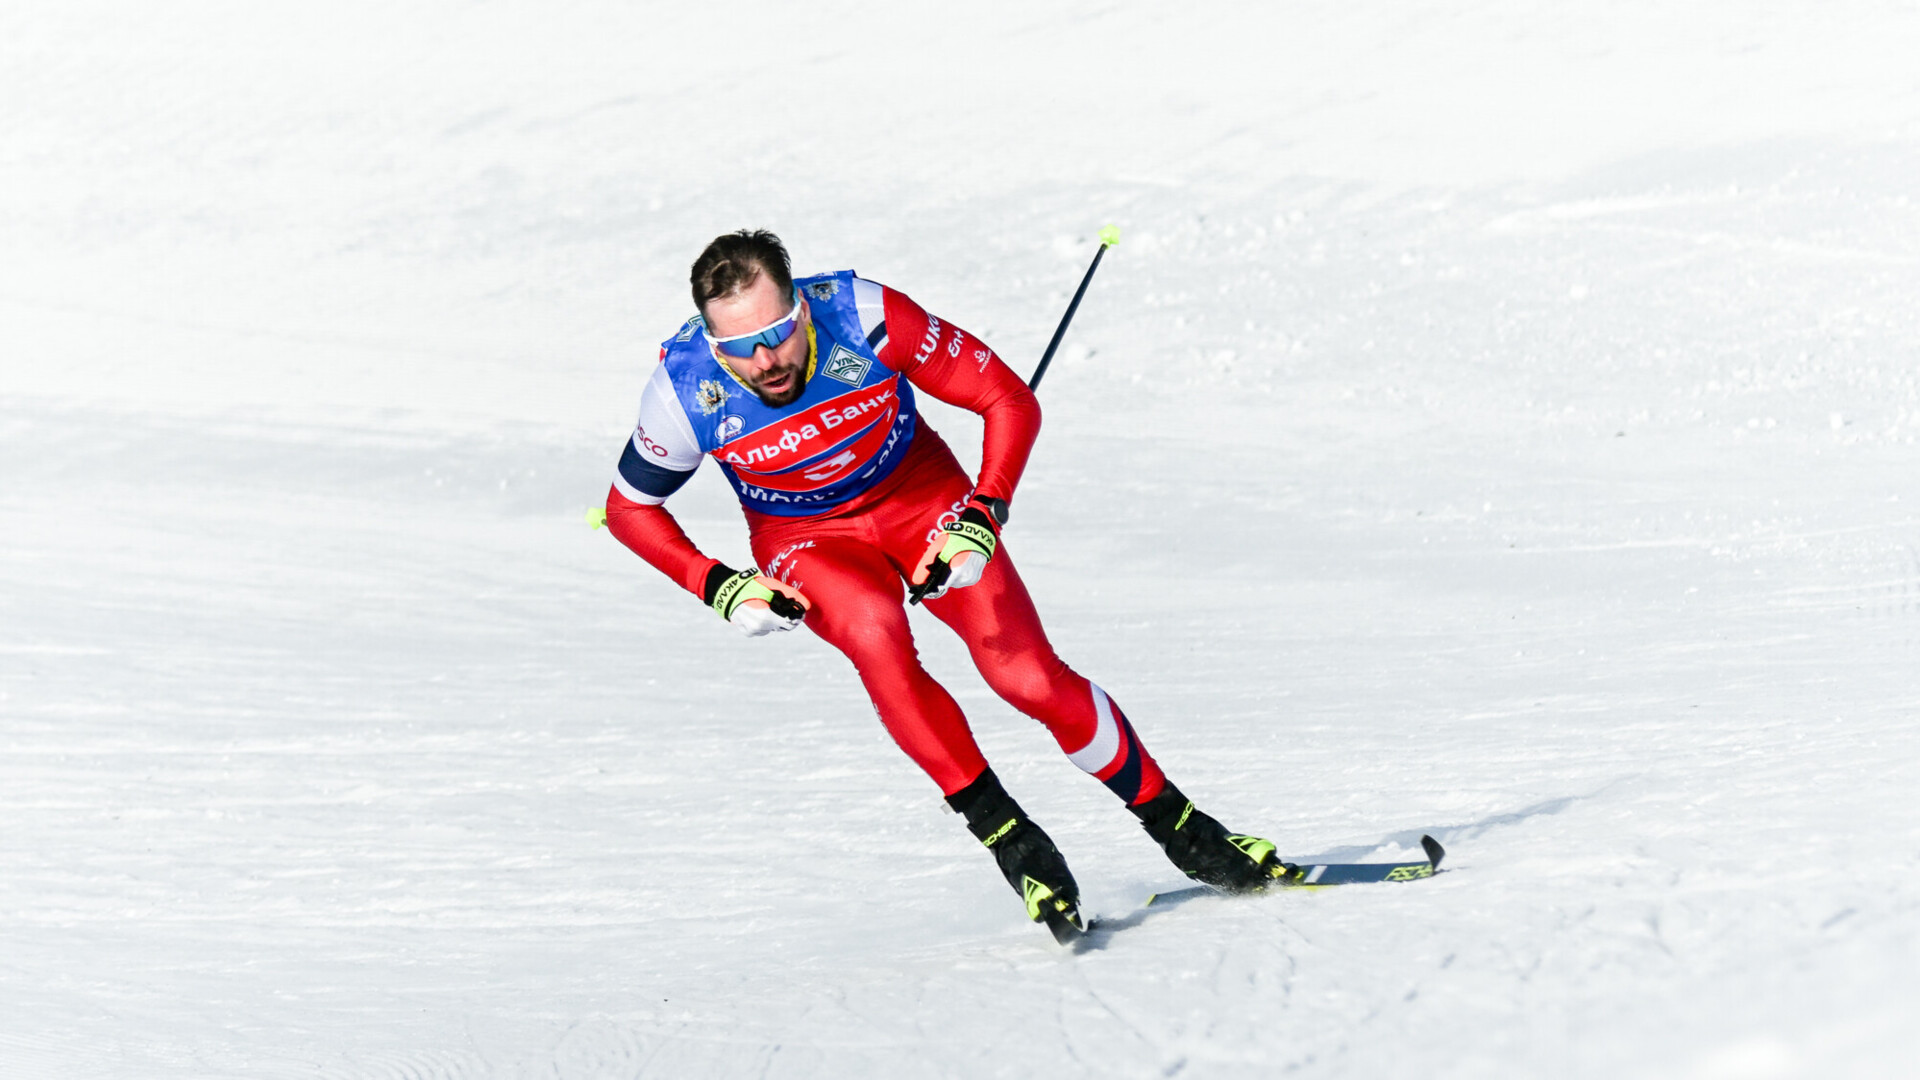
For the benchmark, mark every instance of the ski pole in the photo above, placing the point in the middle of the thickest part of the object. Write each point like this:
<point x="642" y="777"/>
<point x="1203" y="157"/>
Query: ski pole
<point x="1109" y="236"/>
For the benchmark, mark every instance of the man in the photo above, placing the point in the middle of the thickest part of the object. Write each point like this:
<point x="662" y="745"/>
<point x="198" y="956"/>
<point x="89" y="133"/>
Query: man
<point x="804" y="393"/>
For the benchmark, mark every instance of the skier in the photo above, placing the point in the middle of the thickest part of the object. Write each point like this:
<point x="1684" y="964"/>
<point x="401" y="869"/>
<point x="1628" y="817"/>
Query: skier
<point x="803" y="391"/>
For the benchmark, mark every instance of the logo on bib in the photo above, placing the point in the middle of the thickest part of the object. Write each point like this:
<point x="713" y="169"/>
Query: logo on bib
<point x="823" y="290"/>
<point x="710" y="396"/>
<point x="846" y="365"/>
<point x="830" y="468"/>
<point x="729" y="427"/>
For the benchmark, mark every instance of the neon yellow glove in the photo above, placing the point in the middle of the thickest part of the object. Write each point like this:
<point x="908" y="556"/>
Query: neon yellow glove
<point x="959" y="556"/>
<point x="754" y="602"/>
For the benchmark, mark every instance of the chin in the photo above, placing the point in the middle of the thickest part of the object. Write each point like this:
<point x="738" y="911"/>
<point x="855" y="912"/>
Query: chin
<point x="787" y="397"/>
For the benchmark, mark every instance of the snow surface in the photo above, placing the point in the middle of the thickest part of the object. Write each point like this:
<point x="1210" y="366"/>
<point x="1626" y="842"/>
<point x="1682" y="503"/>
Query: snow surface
<point x="1498" y="421"/>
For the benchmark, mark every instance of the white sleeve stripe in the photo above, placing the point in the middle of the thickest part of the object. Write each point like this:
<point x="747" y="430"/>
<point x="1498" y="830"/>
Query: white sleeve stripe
<point x="870" y="300"/>
<point x="677" y="410"/>
<point x="664" y="423"/>
<point x="662" y="452"/>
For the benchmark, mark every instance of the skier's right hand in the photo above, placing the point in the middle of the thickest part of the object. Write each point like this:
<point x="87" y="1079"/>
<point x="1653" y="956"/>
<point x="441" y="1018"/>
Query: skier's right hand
<point x="754" y="602"/>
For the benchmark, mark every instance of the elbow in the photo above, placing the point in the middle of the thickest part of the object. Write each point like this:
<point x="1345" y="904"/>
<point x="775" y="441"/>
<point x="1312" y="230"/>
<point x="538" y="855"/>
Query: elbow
<point x="619" y="505"/>
<point x="1026" y="406"/>
<point x="1017" y="400"/>
<point x="624" y="515"/>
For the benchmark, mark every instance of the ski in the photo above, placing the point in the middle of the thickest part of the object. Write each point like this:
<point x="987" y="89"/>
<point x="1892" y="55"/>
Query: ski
<point x="1326" y="875"/>
<point x="1067" y="927"/>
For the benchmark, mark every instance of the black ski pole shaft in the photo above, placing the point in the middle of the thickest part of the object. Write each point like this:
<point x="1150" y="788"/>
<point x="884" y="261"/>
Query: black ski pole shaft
<point x="1109" y="236"/>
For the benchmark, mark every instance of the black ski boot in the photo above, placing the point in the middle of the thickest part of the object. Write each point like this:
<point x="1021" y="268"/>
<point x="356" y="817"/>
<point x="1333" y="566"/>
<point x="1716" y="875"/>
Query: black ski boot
<point x="1027" y="858"/>
<point x="1204" y="850"/>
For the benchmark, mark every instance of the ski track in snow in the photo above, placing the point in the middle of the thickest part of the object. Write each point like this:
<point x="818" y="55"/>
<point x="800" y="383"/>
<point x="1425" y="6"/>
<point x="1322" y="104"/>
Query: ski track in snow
<point x="1492" y="424"/>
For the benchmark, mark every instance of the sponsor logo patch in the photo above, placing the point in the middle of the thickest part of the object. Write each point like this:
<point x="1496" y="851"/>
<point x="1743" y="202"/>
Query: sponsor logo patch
<point x="828" y="469"/>
<point x="809" y="433"/>
<point x="823" y="290"/>
<point x="846" y="365"/>
<point x="729" y="427"/>
<point x="952" y="515"/>
<point x="782" y="564"/>
<point x="687" y="331"/>
<point x="929" y="342"/>
<point x="710" y="396"/>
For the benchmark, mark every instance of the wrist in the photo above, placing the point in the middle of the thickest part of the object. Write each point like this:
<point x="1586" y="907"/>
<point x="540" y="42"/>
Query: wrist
<point x="717" y="575"/>
<point x="992" y="507"/>
<point x="975" y="527"/>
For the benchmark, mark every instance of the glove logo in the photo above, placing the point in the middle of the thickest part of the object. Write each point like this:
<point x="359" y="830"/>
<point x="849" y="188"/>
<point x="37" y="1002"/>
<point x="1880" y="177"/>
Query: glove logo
<point x="846" y="365"/>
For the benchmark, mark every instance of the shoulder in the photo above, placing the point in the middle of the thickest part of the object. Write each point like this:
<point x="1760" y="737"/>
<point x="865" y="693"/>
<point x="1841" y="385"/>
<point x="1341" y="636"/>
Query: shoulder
<point x="900" y="330"/>
<point x="870" y="298"/>
<point x="848" y="305"/>
<point x="887" y="316"/>
<point x="686" y="361"/>
<point x="662" y="452"/>
<point x="664" y="424"/>
<point x="690" y="332"/>
<point x="825" y="287"/>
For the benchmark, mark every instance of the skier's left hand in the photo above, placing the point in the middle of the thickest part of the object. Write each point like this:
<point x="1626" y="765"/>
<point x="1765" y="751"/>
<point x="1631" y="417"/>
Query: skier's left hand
<point x="959" y="555"/>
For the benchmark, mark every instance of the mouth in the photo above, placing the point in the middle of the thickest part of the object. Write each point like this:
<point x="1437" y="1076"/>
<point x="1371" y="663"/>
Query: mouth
<point x="777" y="384"/>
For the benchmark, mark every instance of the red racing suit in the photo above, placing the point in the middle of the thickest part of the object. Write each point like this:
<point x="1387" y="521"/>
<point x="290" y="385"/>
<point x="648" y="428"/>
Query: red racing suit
<point x="852" y="562"/>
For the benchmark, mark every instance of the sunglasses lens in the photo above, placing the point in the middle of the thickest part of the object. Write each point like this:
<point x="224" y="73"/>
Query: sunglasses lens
<point x="742" y="348"/>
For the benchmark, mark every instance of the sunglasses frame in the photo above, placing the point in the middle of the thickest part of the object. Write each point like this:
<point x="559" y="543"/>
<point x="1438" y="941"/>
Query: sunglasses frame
<point x="771" y="335"/>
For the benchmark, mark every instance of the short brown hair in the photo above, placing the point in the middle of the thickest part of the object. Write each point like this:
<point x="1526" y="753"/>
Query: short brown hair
<point x="733" y="261"/>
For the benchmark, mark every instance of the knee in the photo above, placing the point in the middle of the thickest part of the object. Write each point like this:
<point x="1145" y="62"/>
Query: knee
<point x="1027" y="681"/>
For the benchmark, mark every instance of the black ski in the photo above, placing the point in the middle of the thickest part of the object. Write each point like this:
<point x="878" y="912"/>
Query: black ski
<point x="1067" y="927"/>
<point x="1325" y="875"/>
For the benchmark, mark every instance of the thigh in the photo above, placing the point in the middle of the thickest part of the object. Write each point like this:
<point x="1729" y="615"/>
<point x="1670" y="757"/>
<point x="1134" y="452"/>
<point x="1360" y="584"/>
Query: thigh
<point x="854" y="591"/>
<point x="996" y="616"/>
<point x="997" y="620"/>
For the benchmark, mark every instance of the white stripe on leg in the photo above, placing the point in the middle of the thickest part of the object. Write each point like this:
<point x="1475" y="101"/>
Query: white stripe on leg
<point x="1098" y="753"/>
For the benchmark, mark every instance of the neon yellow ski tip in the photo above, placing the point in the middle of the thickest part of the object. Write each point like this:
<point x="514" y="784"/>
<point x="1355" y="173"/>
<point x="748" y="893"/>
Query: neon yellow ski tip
<point x="1109" y="235"/>
<point x="597" y="516"/>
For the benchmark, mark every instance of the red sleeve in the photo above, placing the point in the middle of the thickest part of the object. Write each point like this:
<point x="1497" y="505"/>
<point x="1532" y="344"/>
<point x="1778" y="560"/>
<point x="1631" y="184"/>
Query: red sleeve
<point x="959" y="369"/>
<point x="654" y="536"/>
